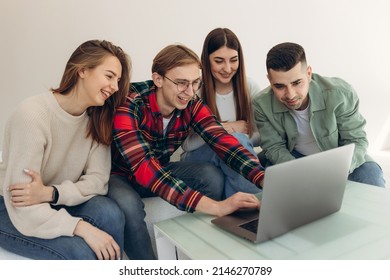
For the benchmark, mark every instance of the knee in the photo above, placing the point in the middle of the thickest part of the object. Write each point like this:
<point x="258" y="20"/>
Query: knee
<point x="368" y="173"/>
<point x="109" y="212"/>
<point x="115" y="213"/>
<point x="133" y="207"/>
<point x="212" y="181"/>
<point x="242" y="138"/>
<point x="128" y="199"/>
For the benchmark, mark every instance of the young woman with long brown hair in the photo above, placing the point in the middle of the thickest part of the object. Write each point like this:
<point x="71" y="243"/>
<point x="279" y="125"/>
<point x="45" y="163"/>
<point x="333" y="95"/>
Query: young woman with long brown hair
<point x="56" y="162"/>
<point x="227" y="92"/>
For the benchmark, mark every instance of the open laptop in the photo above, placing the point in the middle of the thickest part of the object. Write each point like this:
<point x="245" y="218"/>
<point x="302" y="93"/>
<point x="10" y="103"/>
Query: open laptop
<point x="294" y="193"/>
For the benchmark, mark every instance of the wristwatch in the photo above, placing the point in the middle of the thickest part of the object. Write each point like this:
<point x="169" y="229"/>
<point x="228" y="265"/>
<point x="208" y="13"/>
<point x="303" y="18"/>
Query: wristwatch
<point x="55" y="196"/>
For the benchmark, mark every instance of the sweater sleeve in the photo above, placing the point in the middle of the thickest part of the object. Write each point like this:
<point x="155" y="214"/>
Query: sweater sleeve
<point x="24" y="144"/>
<point x="93" y="180"/>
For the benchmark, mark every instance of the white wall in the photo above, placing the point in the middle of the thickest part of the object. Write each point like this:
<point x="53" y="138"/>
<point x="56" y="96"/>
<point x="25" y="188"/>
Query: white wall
<point x="346" y="38"/>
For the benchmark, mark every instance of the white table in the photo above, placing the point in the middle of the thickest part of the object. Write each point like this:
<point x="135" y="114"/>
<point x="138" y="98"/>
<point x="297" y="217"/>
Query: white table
<point x="360" y="230"/>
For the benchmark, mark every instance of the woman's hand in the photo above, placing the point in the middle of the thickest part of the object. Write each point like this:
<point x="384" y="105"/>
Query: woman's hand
<point x="236" y="126"/>
<point x="233" y="203"/>
<point x="101" y="243"/>
<point x="31" y="193"/>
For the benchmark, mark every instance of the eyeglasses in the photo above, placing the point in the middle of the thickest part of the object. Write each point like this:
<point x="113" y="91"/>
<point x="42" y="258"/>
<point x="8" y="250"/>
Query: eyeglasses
<point x="183" y="84"/>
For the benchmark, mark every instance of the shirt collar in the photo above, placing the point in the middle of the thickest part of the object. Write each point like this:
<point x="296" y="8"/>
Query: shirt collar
<point x="154" y="105"/>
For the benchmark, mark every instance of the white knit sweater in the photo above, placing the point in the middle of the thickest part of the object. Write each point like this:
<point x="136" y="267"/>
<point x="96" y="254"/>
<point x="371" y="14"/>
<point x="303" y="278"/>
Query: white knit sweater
<point x="41" y="136"/>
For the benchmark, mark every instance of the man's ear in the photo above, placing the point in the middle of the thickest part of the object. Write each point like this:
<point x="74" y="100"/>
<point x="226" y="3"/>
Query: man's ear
<point x="309" y="72"/>
<point x="157" y="79"/>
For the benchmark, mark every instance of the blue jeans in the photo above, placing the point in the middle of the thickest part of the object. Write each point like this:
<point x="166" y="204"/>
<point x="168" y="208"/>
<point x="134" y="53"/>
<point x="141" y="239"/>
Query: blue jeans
<point x="368" y="173"/>
<point x="99" y="211"/>
<point x="234" y="182"/>
<point x="201" y="177"/>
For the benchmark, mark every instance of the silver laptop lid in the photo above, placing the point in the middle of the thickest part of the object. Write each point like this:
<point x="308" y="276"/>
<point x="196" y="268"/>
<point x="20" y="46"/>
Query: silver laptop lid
<point x="303" y="190"/>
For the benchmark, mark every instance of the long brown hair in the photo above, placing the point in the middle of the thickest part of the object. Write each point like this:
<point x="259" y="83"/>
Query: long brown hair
<point x="90" y="55"/>
<point x="215" y="40"/>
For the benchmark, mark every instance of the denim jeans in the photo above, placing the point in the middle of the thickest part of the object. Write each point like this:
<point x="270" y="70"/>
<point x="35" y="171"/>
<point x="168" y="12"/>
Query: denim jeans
<point x="99" y="211"/>
<point x="204" y="178"/>
<point x="234" y="182"/>
<point x="368" y="173"/>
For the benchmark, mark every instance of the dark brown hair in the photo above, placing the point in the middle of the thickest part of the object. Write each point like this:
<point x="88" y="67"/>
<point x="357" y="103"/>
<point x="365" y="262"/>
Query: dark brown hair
<point x="284" y="56"/>
<point x="88" y="56"/>
<point x="215" y="40"/>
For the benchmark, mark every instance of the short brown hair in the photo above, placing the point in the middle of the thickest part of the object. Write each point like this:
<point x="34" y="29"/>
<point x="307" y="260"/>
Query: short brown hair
<point x="284" y="56"/>
<point x="173" y="56"/>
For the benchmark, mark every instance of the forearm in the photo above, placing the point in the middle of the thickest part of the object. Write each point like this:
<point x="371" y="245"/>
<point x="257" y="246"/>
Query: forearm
<point x="208" y="206"/>
<point x="81" y="229"/>
<point x="236" y="126"/>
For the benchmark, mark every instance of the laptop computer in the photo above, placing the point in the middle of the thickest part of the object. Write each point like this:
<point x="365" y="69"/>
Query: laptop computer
<point x="294" y="193"/>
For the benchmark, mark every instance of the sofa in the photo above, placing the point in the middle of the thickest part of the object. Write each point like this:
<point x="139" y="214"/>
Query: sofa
<point x="156" y="209"/>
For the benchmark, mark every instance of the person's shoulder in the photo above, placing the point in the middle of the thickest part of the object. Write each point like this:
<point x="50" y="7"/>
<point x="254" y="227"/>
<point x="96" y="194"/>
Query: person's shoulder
<point x="141" y="87"/>
<point x="140" y="90"/>
<point x="35" y="104"/>
<point x="263" y="99"/>
<point x="264" y="94"/>
<point x="33" y="109"/>
<point x="331" y="83"/>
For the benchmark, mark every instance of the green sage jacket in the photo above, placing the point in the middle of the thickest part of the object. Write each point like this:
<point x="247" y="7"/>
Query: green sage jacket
<point x="334" y="120"/>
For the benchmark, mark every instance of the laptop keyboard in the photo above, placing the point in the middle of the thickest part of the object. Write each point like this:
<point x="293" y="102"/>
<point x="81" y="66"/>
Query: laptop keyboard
<point x="251" y="226"/>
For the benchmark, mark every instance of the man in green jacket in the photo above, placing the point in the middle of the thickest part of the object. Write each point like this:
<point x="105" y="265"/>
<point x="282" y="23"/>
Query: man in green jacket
<point x="303" y="113"/>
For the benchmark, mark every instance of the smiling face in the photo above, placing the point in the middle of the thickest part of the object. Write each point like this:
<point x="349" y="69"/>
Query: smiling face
<point x="169" y="97"/>
<point x="224" y="63"/>
<point x="292" y="87"/>
<point x="99" y="83"/>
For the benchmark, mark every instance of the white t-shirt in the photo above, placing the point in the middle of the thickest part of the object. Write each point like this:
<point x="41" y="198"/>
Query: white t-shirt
<point x="226" y="108"/>
<point x="165" y="123"/>
<point x="306" y="143"/>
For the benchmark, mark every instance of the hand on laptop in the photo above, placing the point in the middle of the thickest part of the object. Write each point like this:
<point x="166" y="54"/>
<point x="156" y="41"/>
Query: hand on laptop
<point x="237" y="201"/>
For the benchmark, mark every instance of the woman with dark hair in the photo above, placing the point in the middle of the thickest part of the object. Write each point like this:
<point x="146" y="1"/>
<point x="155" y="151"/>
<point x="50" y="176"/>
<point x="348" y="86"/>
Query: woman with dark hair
<point x="57" y="208"/>
<point x="227" y="92"/>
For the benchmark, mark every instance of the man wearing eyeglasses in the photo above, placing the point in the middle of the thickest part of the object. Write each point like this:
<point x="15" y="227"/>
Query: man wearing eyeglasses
<point x="149" y="126"/>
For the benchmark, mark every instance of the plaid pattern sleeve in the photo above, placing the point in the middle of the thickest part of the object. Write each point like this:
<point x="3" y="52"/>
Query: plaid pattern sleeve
<point x="227" y="147"/>
<point x="140" y="147"/>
